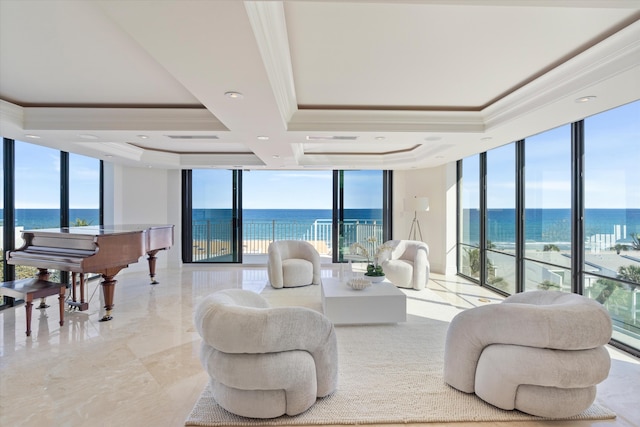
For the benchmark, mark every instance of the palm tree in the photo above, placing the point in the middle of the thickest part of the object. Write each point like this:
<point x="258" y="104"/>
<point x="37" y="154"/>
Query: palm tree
<point x="547" y="284"/>
<point x="473" y="261"/>
<point x="80" y="223"/>
<point x="619" y="247"/>
<point x="630" y="273"/>
<point x="609" y="286"/>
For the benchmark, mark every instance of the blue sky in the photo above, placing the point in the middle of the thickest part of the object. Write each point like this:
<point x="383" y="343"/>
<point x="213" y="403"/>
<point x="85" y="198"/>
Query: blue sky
<point x="287" y="189"/>
<point x="612" y="160"/>
<point x="37" y="183"/>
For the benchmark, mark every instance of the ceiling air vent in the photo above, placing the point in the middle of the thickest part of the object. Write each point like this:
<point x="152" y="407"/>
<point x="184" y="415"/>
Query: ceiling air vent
<point x="193" y="136"/>
<point x="331" y="138"/>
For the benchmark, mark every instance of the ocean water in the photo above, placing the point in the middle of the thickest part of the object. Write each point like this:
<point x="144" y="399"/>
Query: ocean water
<point x="542" y="225"/>
<point x="50" y="218"/>
<point x="551" y="225"/>
<point x="287" y="215"/>
<point x="278" y="224"/>
<point x="257" y="223"/>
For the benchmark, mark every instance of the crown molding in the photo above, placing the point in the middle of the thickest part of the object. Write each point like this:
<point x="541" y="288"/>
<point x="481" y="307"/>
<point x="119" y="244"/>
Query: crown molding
<point x="267" y="20"/>
<point x="165" y="160"/>
<point x="386" y="120"/>
<point x="606" y="60"/>
<point x="11" y="114"/>
<point x="118" y="149"/>
<point x="162" y="119"/>
<point x="219" y="160"/>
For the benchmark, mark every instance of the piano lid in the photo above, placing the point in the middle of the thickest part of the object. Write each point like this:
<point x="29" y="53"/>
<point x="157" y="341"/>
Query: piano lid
<point x="96" y="230"/>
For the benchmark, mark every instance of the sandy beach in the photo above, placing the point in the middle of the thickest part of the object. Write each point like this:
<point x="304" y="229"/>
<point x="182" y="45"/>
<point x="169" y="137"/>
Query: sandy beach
<point x="222" y="247"/>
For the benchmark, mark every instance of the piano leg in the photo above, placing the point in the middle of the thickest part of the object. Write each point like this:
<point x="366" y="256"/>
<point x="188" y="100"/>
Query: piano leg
<point x="82" y="305"/>
<point x="108" y="290"/>
<point x="152" y="265"/>
<point x="73" y="287"/>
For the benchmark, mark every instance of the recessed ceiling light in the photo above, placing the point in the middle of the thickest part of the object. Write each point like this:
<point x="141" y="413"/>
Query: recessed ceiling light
<point x="233" y="95"/>
<point x="87" y="136"/>
<point x="275" y="156"/>
<point x="486" y="138"/>
<point x="32" y="136"/>
<point x="433" y="138"/>
<point x="108" y="156"/>
<point x="143" y="136"/>
<point x="585" y="99"/>
<point x="263" y="138"/>
<point x="380" y="138"/>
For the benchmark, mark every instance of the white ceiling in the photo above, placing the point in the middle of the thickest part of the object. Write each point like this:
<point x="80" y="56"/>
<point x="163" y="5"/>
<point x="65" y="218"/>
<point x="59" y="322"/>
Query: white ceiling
<point x="332" y="84"/>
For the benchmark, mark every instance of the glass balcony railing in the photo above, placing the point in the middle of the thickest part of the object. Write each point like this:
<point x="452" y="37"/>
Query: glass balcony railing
<point x="213" y="240"/>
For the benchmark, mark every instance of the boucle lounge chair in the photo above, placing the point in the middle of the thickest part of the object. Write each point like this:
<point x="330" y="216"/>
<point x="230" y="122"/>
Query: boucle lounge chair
<point x="406" y="264"/>
<point x="540" y="352"/>
<point x="264" y="362"/>
<point x="293" y="263"/>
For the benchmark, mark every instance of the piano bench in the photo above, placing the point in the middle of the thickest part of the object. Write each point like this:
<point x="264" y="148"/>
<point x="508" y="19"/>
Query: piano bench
<point x="30" y="289"/>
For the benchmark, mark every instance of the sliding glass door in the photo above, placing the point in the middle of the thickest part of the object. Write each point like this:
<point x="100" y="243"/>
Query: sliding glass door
<point x="359" y="210"/>
<point x="285" y="205"/>
<point x="233" y="215"/>
<point x="215" y="217"/>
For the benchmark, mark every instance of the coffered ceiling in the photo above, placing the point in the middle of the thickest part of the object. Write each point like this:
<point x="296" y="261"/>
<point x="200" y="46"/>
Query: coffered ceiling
<point x="307" y="84"/>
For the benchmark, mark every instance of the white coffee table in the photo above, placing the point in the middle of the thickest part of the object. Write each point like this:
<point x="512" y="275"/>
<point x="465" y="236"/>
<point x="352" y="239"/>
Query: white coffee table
<point x="379" y="303"/>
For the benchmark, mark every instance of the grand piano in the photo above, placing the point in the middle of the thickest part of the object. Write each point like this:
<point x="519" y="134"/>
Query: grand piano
<point x="103" y="250"/>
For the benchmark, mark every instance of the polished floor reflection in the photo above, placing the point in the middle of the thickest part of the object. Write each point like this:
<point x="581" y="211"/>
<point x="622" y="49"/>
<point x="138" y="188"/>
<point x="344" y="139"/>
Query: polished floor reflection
<point x="142" y="368"/>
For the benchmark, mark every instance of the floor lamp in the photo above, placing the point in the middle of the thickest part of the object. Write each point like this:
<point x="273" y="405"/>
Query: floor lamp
<point x="417" y="204"/>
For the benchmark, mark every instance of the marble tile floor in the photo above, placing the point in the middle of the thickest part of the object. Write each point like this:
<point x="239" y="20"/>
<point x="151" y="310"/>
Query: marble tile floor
<point x="142" y="368"/>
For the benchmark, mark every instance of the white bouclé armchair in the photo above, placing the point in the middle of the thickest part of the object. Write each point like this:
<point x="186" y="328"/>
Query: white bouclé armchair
<point x="540" y="352"/>
<point x="293" y="263"/>
<point x="406" y="263"/>
<point x="262" y="361"/>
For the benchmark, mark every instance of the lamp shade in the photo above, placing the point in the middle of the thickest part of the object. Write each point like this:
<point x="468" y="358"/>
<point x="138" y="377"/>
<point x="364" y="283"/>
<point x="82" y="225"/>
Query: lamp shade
<point x="416" y="204"/>
<point x="422" y="203"/>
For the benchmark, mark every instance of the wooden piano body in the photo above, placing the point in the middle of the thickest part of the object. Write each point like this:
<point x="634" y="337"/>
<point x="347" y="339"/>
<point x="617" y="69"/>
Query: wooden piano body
<point x="104" y="250"/>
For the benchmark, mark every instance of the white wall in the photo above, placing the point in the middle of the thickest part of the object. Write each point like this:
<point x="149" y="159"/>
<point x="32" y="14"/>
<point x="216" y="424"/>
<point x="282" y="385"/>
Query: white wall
<point x="438" y="225"/>
<point x="153" y="196"/>
<point x="142" y="196"/>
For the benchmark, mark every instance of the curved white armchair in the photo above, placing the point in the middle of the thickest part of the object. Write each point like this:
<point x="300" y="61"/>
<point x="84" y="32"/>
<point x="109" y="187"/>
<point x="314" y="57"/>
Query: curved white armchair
<point x="264" y="362"/>
<point x="540" y="352"/>
<point x="293" y="263"/>
<point x="406" y="264"/>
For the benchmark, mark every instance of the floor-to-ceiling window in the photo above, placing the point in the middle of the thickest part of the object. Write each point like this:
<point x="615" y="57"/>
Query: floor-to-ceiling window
<point x="568" y="213"/>
<point x="501" y="219"/>
<point x="612" y="217"/>
<point x="37" y="192"/>
<point x="360" y="213"/>
<point x="469" y="224"/>
<point x="3" y="227"/>
<point x="84" y="190"/>
<point x="547" y="200"/>
<point x="330" y="209"/>
<point x="286" y="205"/>
<point x="34" y="189"/>
<point x="214" y="217"/>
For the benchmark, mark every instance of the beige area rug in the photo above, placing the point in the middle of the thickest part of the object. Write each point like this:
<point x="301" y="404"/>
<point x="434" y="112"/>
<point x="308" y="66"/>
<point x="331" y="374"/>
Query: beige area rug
<point x="388" y="374"/>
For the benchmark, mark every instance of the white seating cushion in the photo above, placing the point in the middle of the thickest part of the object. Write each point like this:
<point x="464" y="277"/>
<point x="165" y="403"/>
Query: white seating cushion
<point x="297" y="272"/>
<point x="399" y="272"/>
